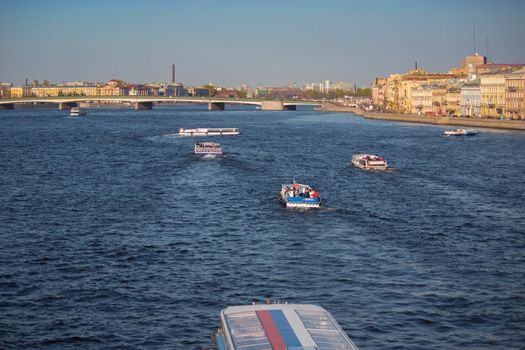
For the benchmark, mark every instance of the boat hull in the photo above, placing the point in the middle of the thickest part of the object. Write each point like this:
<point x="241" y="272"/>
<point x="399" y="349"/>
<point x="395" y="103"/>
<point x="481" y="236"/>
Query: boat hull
<point x="369" y="162"/>
<point x="209" y="132"/>
<point x="461" y="133"/>
<point x="298" y="201"/>
<point x="374" y="167"/>
<point x="208" y="155"/>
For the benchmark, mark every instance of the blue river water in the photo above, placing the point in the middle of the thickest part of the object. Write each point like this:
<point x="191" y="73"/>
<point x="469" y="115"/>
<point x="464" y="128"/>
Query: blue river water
<point x="113" y="235"/>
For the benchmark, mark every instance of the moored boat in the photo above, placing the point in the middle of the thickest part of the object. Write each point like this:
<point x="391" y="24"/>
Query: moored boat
<point x="369" y="162"/>
<point x="299" y="196"/>
<point x="461" y="132"/>
<point x="76" y="111"/>
<point x="280" y="326"/>
<point x="209" y="132"/>
<point x="204" y="149"/>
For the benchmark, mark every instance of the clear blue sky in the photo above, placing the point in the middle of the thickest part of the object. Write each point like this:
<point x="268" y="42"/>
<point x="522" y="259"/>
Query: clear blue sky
<point x="269" y="42"/>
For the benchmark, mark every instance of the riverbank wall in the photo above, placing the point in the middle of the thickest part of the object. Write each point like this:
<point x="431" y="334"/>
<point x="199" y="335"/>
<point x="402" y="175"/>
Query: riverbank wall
<point x="436" y="120"/>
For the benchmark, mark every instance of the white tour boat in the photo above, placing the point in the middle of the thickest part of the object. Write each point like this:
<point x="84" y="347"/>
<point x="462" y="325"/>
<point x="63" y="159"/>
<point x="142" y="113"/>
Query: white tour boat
<point x="76" y="111"/>
<point x="209" y="131"/>
<point x="299" y="196"/>
<point x="369" y="162"/>
<point x="461" y="132"/>
<point x="280" y="326"/>
<point x="207" y="149"/>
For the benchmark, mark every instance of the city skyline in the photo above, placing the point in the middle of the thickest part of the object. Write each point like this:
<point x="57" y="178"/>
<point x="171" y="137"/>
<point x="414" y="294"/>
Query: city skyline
<point x="256" y="43"/>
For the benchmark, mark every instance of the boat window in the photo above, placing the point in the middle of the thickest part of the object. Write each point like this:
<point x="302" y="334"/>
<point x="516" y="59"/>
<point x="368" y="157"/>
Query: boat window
<point x="324" y="331"/>
<point x="247" y="332"/>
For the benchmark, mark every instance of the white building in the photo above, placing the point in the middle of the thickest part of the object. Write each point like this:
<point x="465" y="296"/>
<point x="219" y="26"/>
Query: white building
<point x="470" y="99"/>
<point x="421" y="100"/>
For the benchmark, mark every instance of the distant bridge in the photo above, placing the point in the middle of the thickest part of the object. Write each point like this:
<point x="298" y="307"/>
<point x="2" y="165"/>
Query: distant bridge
<point x="146" y="102"/>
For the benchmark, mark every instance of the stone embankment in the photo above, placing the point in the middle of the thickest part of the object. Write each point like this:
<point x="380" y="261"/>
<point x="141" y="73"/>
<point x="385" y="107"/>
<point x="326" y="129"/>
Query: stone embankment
<point x="468" y="122"/>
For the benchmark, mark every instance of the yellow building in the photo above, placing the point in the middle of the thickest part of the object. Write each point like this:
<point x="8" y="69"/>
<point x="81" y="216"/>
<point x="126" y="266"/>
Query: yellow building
<point x="392" y="93"/>
<point x="378" y="92"/>
<point x="20" y="91"/>
<point x="452" y="101"/>
<point x="492" y="95"/>
<point x="515" y="94"/>
<point x="45" y="91"/>
<point x="429" y="99"/>
<point x="398" y="88"/>
<point x="55" y="91"/>
<point x="439" y="101"/>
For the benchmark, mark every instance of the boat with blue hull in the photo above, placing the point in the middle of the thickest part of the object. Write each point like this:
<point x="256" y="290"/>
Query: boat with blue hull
<point x="461" y="132"/>
<point x="280" y="327"/>
<point x="297" y="195"/>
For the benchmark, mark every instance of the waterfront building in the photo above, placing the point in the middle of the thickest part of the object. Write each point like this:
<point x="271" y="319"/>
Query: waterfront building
<point x="515" y="94"/>
<point x="55" y="91"/>
<point x="5" y="90"/>
<point x="114" y="88"/>
<point x="343" y="85"/>
<point x="20" y="91"/>
<point x="247" y="90"/>
<point x="492" y="68"/>
<point x="227" y="92"/>
<point x="314" y="87"/>
<point x="439" y="94"/>
<point x="398" y="88"/>
<point x="199" y="91"/>
<point x="421" y="100"/>
<point x="492" y="95"/>
<point x="327" y="85"/>
<point x="378" y="92"/>
<point x="167" y="89"/>
<point x="471" y="63"/>
<point x="470" y="99"/>
<point x="138" y="90"/>
<point x="452" y="101"/>
<point x="428" y="100"/>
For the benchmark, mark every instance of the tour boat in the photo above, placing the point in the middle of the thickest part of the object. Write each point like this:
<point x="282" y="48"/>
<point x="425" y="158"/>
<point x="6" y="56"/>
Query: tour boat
<point x="207" y="149"/>
<point x="209" y="131"/>
<point x="76" y="111"/>
<point x="299" y="196"/>
<point x="280" y="326"/>
<point x="461" y="132"/>
<point x="369" y="162"/>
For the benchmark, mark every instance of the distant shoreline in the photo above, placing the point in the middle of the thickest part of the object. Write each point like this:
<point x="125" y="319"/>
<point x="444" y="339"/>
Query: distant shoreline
<point x="437" y="120"/>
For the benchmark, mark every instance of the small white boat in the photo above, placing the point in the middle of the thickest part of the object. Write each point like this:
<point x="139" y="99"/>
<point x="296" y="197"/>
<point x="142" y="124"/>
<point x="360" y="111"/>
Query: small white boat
<point x="299" y="196"/>
<point x="369" y="162"/>
<point x="209" y="131"/>
<point x="280" y="326"/>
<point x="207" y="149"/>
<point x="76" y="111"/>
<point x="461" y="132"/>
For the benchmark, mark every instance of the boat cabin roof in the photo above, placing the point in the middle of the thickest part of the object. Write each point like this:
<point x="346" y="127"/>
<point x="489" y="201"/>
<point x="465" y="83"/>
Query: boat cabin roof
<point x="364" y="155"/>
<point x="283" y="326"/>
<point x="296" y="185"/>
<point x="208" y="144"/>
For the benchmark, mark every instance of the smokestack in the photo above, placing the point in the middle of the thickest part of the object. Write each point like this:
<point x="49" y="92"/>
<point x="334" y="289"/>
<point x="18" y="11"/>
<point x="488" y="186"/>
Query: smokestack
<point x="416" y="65"/>
<point x="26" y="81"/>
<point x="173" y="73"/>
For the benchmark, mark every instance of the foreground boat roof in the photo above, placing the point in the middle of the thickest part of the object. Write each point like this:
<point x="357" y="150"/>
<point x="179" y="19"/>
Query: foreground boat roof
<point x="281" y="327"/>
